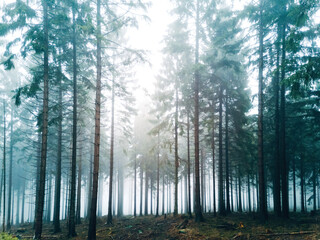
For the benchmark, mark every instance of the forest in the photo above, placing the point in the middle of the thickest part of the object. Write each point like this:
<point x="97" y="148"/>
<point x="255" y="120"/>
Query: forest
<point x="211" y="131"/>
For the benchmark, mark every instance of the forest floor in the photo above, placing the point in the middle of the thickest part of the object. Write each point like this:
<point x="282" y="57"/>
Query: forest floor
<point x="233" y="226"/>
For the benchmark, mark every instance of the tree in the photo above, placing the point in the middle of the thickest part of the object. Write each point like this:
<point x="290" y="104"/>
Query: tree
<point x="93" y="210"/>
<point x="262" y="185"/>
<point x="41" y="193"/>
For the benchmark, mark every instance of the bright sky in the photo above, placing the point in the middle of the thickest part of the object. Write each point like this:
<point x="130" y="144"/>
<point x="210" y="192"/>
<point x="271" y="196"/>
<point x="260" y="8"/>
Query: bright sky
<point x="149" y="37"/>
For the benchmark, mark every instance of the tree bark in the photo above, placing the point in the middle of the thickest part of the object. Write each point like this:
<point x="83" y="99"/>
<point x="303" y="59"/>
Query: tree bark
<point x="10" y="174"/>
<point x="302" y="182"/>
<point x="135" y="187"/>
<point x="146" y="193"/>
<point x="176" y="157"/>
<point x="276" y="182"/>
<point x="294" y="185"/>
<point x="57" y="194"/>
<point x="239" y="190"/>
<point x="72" y="220"/>
<point x="93" y="211"/>
<point x="189" y="165"/>
<point x="141" y="187"/>
<point x="109" y="220"/>
<point x="262" y="185"/>
<point x="41" y="192"/>
<point x="158" y="175"/>
<point x="4" y="169"/>
<point x="284" y="168"/>
<point x="198" y="211"/>
<point x="222" y="210"/>
<point x="227" y="153"/>
<point x="78" y="212"/>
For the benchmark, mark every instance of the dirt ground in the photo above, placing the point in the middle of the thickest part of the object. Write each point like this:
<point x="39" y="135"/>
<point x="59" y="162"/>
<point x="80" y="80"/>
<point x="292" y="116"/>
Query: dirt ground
<point x="234" y="226"/>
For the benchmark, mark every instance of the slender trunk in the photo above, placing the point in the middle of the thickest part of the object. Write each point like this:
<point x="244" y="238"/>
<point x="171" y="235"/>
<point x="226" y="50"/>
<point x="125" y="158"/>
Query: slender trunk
<point x="109" y="221"/>
<point x="284" y="168"/>
<point x="198" y="211"/>
<point x="213" y="161"/>
<point x="294" y="185"/>
<point x="146" y="194"/>
<point x="222" y="209"/>
<point x="90" y="182"/>
<point x="57" y="194"/>
<point x="18" y="205"/>
<point x="41" y="192"/>
<point x="314" y="178"/>
<point x="163" y="191"/>
<point x="72" y="220"/>
<point x="151" y="191"/>
<point x="189" y="165"/>
<point x="49" y="198"/>
<point x="78" y="212"/>
<point x="276" y="182"/>
<point x="262" y="185"/>
<point x="158" y="175"/>
<point x="10" y="174"/>
<point x="141" y="187"/>
<point x="231" y="192"/>
<point x="176" y="158"/>
<point x="23" y="201"/>
<point x="185" y="198"/>
<point x="227" y="153"/>
<point x="249" y="193"/>
<point x="239" y="190"/>
<point x="302" y="182"/>
<point x="4" y="169"/>
<point x="135" y="187"/>
<point x="93" y="210"/>
<point x="202" y="179"/>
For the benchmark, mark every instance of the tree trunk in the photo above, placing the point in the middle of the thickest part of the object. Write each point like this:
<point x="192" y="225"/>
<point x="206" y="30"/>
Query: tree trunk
<point x="23" y="202"/>
<point x="93" y="211"/>
<point x="135" y="187"/>
<point x="18" y="205"/>
<point x="302" y="182"/>
<point x="202" y="180"/>
<point x="158" y="175"/>
<point x="276" y="182"/>
<point x="262" y="185"/>
<point x="41" y="192"/>
<point x="198" y="211"/>
<point x="222" y="209"/>
<point x="227" y="153"/>
<point x="4" y="169"/>
<point x="90" y="182"/>
<point x="146" y="193"/>
<point x="10" y="174"/>
<point x="72" y="220"/>
<point x="213" y="161"/>
<point x="294" y="185"/>
<point x="249" y="193"/>
<point x="57" y="194"/>
<point x="314" y="178"/>
<point x="284" y="168"/>
<point x="185" y="198"/>
<point x="176" y="158"/>
<point x="109" y="220"/>
<point x="49" y="198"/>
<point x="239" y="190"/>
<point x="189" y="165"/>
<point x="141" y="187"/>
<point x="78" y="212"/>
<point x="151" y="192"/>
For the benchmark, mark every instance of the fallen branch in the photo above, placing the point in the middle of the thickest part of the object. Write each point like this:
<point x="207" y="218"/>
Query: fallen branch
<point x="285" y="234"/>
